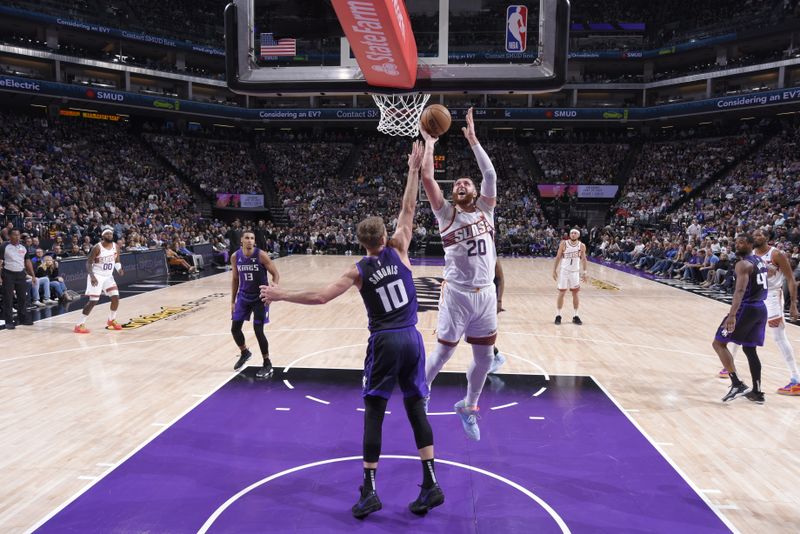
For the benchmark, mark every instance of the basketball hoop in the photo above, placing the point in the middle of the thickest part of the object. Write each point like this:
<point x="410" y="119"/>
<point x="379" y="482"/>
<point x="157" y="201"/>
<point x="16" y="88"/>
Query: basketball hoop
<point x="400" y="113"/>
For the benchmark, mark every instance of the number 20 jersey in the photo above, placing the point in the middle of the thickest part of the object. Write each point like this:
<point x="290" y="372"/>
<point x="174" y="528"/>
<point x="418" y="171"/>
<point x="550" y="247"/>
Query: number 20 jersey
<point x="387" y="287"/>
<point x="468" y="241"/>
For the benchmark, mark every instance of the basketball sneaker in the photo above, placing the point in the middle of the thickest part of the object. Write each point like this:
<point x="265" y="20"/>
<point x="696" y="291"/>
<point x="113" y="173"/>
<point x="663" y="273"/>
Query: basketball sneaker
<point x="469" y="419"/>
<point x="577" y="320"/>
<point x="736" y="390"/>
<point x="80" y="329"/>
<point x="242" y="359"/>
<point x="792" y="389"/>
<point x="558" y="319"/>
<point x="724" y="373"/>
<point x="265" y="371"/>
<point x="428" y="498"/>
<point x="755" y="396"/>
<point x="497" y="361"/>
<point x="368" y="502"/>
<point x="113" y="325"/>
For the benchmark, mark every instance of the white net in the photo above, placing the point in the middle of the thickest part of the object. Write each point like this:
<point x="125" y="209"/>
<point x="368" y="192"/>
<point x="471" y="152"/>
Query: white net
<point x="400" y="113"/>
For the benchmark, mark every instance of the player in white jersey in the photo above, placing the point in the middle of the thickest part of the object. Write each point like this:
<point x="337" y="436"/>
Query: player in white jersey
<point x="571" y="258"/>
<point x="100" y="264"/>
<point x="780" y="271"/>
<point x="468" y="305"/>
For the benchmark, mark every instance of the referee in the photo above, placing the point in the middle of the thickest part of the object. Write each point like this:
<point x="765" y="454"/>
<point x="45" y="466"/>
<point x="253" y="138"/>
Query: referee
<point x="14" y="264"/>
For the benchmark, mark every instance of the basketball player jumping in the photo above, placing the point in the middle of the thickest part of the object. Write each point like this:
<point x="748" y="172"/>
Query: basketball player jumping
<point x="395" y="351"/>
<point x="250" y="267"/>
<point x="745" y="322"/>
<point x="571" y="257"/>
<point x="100" y="264"/>
<point x="468" y="305"/>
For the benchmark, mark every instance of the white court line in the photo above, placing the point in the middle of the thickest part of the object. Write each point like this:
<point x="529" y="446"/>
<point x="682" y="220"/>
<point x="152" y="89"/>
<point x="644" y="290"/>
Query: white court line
<point x="509" y="405"/>
<point x="539" y="392"/>
<point x="667" y="458"/>
<point x="309" y="397"/>
<point x="441" y="413"/>
<point x="282" y="409"/>
<point x="66" y="503"/>
<point x="361" y="410"/>
<point x="219" y="511"/>
<point x="288" y="385"/>
<point x="535" y="418"/>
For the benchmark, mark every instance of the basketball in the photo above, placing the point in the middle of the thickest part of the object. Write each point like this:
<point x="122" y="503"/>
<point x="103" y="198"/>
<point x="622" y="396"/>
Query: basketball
<point x="436" y="120"/>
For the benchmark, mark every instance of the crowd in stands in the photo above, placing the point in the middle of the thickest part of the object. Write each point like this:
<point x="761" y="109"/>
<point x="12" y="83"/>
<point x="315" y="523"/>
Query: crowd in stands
<point x="214" y="166"/>
<point x="667" y="171"/>
<point x="597" y="163"/>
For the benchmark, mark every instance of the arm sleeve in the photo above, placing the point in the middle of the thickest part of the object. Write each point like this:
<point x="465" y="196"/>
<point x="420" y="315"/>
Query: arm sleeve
<point x="489" y="183"/>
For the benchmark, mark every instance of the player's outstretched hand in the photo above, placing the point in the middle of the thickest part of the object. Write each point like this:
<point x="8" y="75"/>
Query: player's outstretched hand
<point x="500" y="307"/>
<point x="469" y="130"/>
<point x="415" y="158"/>
<point x="429" y="139"/>
<point x="271" y="294"/>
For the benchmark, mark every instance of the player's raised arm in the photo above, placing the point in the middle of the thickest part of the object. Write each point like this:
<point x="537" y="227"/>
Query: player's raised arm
<point x="430" y="185"/>
<point x="405" y="220"/>
<point x="489" y="182"/>
<point x="313" y="296"/>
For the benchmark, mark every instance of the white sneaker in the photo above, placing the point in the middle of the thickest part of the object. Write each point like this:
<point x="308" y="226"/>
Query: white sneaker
<point x="497" y="362"/>
<point x="50" y="301"/>
<point x="39" y="304"/>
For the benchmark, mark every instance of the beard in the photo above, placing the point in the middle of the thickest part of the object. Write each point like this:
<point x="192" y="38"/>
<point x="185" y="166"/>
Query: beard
<point x="463" y="202"/>
<point x="108" y="239"/>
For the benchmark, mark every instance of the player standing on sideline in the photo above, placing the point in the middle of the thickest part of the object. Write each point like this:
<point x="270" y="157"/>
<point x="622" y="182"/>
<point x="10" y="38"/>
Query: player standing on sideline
<point x="745" y="322"/>
<point x="101" y="263"/>
<point x="250" y="267"/>
<point x="571" y="257"/>
<point x="468" y="305"/>
<point x="395" y="352"/>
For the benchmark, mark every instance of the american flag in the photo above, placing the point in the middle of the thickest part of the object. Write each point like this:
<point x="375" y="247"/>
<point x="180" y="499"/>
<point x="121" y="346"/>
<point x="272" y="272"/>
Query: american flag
<point x="281" y="47"/>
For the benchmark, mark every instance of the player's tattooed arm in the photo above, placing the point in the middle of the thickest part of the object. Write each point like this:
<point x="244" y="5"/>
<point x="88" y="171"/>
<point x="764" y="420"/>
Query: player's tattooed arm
<point x="90" y="263"/>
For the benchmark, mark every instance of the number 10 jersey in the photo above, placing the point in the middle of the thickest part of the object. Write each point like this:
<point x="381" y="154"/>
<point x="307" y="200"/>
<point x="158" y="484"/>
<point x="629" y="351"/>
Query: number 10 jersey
<point x="387" y="287"/>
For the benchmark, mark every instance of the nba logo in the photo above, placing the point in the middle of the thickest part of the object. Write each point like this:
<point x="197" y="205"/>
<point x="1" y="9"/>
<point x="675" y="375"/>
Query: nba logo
<point x="516" y="28"/>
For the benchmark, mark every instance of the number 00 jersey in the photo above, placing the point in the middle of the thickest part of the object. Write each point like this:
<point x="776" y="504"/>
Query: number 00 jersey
<point x="104" y="262"/>
<point x="387" y="288"/>
<point x="468" y="240"/>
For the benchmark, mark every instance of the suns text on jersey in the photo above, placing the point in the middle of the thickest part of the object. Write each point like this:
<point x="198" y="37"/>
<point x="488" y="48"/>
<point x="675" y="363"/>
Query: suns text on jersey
<point x="467" y="232"/>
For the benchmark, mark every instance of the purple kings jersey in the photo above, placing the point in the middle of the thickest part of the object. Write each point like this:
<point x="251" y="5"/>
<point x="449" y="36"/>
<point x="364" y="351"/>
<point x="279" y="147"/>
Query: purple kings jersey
<point x="251" y="272"/>
<point x="387" y="288"/>
<point x="757" y="286"/>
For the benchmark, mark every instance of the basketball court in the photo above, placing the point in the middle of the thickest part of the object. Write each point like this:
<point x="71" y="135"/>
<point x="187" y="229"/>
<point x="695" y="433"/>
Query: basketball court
<point x="615" y="425"/>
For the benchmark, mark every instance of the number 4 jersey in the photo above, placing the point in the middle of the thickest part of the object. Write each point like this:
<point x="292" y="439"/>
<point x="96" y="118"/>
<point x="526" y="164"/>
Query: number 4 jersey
<point x="468" y="241"/>
<point x="387" y="288"/>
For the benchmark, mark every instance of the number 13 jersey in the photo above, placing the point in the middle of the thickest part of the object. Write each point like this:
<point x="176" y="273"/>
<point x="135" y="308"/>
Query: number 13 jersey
<point x="468" y="241"/>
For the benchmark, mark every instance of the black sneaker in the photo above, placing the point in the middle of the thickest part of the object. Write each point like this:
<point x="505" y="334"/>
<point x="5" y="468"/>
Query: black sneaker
<point x="736" y="391"/>
<point x="558" y="319"/>
<point x="242" y="360"/>
<point x="264" y="372"/>
<point x="368" y="502"/>
<point x="577" y="320"/>
<point x="428" y="498"/>
<point x="756" y="396"/>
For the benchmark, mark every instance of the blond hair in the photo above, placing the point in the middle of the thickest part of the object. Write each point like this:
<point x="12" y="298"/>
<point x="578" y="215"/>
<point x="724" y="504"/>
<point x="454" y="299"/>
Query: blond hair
<point x="370" y="231"/>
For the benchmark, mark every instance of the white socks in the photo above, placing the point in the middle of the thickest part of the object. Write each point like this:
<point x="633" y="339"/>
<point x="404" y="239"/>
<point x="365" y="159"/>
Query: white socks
<point x="779" y="335"/>
<point x="436" y="360"/>
<point x="482" y="356"/>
